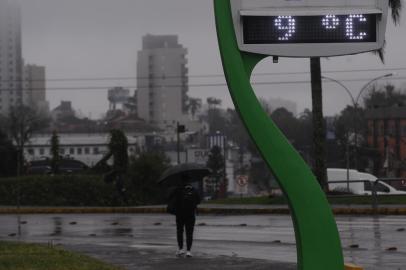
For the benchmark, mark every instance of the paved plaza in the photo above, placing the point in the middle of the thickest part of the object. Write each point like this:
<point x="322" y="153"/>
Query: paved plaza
<point x="147" y="241"/>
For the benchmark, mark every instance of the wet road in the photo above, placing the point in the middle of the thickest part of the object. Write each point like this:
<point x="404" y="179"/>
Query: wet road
<point x="367" y="241"/>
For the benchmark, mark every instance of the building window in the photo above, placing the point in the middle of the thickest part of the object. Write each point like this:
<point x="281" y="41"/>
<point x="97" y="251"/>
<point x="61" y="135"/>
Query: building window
<point x="96" y="151"/>
<point x="79" y="151"/>
<point x="31" y="151"/>
<point x="62" y="151"/>
<point x="87" y="151"/>
<point x="71" y="151"/>
<point x="41" y="151"/>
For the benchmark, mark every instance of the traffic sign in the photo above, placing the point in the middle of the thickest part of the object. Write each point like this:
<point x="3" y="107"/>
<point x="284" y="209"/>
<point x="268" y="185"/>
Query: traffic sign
<point x="242" y="180"/>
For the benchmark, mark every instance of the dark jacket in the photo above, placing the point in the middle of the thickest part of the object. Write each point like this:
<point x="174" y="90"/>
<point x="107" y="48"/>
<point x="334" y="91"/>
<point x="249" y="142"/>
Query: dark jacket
<point x="183" y="201"/>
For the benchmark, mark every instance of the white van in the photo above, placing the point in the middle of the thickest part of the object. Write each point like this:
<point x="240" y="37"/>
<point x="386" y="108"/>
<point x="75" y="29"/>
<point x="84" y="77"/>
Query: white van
<point x="359" y="188"/>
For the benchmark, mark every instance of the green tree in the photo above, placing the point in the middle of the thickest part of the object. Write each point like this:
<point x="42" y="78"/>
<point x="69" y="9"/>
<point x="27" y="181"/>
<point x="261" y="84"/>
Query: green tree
<point x="347" y="128"/>
<point x="287" y="122"/>
<point x="55" y="152"/>
<point x="194" y="105"/>
<point x="215" y="163"/>
<point x="22" y="123"/>
<point x="8" y="153"/>
<point x="144" y="172"/>
<point x="118" y="148"/>
<point x="384" y="96"/>
<point x="216" y="118"/>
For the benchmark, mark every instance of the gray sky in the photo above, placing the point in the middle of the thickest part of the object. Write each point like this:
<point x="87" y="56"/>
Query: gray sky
<point x="100" y="38"/>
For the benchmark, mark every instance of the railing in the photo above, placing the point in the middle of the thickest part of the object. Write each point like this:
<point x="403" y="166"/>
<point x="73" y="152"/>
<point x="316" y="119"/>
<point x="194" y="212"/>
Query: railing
<point x="373" y="188"/>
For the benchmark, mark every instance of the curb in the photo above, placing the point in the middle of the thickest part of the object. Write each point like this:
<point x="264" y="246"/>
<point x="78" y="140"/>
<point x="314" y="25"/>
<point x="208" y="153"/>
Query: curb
<point x="203" y="210"/>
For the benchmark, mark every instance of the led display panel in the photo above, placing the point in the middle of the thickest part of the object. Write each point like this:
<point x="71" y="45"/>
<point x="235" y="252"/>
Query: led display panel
<point x="350" y="28"/>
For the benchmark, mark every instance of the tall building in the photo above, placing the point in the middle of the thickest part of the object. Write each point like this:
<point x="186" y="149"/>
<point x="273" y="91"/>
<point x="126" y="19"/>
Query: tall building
<point x="11" y="62"/>
<point x="162" y="81"/>
<point x="34" y="86"/>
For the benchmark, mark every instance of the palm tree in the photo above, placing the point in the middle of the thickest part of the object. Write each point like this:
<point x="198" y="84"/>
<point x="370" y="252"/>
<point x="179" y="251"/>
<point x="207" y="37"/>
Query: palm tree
<point x="195" y="104"/>
<point x="319" y="130"/>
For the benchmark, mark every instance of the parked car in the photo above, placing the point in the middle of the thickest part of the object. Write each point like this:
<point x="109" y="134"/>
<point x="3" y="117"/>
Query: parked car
<point x="66" y="166"/>
<point x="359" y="188"/>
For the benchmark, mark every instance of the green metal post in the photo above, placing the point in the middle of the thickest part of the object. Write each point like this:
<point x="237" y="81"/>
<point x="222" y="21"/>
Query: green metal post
<point x="317" y="238"/>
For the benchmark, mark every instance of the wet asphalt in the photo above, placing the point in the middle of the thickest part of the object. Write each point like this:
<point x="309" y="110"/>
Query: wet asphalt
<point x="147" y="241"/>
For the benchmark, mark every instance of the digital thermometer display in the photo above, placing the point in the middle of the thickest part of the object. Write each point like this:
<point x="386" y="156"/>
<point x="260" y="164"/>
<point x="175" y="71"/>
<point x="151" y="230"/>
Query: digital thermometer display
<point x="309" y="29"/>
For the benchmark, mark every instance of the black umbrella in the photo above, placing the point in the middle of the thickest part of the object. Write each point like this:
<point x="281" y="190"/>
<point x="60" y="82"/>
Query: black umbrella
<point x="192" y="171"/>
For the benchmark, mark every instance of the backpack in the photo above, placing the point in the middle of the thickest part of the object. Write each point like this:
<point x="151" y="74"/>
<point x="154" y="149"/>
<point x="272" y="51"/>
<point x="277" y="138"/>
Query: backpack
<point x="188" y="200"/>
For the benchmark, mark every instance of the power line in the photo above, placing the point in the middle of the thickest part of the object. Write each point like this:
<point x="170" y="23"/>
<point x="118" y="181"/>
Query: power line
<point x="191" y="85"/>
<point x="205" y="75"/>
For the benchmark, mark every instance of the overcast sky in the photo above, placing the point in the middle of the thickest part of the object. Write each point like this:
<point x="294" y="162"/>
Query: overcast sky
<point x="100" y="39"/>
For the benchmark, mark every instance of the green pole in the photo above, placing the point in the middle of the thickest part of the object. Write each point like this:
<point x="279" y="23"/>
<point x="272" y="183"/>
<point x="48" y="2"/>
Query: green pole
<point x="317" y="239"/>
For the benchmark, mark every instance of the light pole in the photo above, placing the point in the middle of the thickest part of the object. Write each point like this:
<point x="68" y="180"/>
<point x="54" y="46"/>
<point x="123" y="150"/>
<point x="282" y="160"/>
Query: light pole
<point x="355" y="103"/>
<point x="179" y="129"/>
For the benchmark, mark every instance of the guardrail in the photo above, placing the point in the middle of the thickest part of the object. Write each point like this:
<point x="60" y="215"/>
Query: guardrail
<point x="373" y="187"/>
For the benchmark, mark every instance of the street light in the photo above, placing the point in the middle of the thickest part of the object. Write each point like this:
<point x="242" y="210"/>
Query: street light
<point x="355" y="102"/>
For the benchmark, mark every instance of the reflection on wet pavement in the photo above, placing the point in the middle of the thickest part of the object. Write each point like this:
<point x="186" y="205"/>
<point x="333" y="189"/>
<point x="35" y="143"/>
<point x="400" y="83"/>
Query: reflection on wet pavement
<point x="373" y="242"/>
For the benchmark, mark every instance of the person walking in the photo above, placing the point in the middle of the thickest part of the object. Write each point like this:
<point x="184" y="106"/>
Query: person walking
<point x="183" y="204"/>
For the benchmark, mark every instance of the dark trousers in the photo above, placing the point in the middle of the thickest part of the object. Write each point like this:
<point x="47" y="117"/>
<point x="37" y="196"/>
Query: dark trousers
<point x="182" y="223"/>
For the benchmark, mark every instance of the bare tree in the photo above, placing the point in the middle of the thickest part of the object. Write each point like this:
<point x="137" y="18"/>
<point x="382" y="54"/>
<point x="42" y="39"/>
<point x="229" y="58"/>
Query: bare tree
<point x="22" y="123"/>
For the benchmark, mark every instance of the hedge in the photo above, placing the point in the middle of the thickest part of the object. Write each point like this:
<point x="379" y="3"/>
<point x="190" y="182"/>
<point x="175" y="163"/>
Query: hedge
<point x="64" y="190"/>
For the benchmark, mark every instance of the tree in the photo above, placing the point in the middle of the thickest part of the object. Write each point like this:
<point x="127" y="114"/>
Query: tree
<point x="144" y="172"/>
<point x="286" y="122"/>
<point x="384" y="96"/>
<point x="22" y="123"/>
<point x="8" y="153"/>
<point x="118" y="150"/>
<point x="216" y="119"/>
<point x="396" y="7"/>
<point x="55" y="152"/>
<point x="319" y="130"/>
<point x="194" y="105"/>
<point x="351" y="134"/>
<point x="216" y="164"/>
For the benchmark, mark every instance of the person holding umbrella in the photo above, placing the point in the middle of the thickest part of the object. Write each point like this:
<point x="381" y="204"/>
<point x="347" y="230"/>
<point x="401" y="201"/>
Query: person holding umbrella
<point x="183" y="199"/>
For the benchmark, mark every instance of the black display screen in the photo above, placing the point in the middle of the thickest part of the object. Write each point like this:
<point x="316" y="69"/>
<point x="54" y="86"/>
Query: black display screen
<point x="309" y="29"/>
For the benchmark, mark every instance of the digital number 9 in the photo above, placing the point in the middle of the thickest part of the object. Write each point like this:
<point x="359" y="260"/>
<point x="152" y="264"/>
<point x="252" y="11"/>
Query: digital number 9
<point x="286" y="25"/>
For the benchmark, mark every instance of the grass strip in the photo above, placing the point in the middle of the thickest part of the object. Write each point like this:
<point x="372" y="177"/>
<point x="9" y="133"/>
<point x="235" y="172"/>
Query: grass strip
<point x="22" y="256"/>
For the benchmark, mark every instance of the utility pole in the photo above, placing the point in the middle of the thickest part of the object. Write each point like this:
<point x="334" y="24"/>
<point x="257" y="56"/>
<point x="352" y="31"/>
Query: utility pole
<point x="319" y="130"/>
<point x="179" y="129"/>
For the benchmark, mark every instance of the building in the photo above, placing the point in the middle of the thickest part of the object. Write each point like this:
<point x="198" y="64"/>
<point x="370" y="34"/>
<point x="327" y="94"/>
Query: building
<point x="117" y="96"/>
<point x="87" y="148"/>
<point x="162" y="81"/>
<point x="64" y="110"/>
<point x="387" y="134"/>
<point x="11" y="62"/>
<point x="35" y="88"/>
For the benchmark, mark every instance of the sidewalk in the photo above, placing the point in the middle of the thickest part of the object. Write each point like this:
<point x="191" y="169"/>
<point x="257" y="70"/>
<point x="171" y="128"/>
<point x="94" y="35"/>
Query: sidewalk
<point x="215" y="209"/>
<point x="151" y="259"/>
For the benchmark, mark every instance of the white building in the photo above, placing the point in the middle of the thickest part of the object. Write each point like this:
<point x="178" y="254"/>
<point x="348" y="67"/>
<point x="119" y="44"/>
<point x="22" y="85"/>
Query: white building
<point x="11" y="62"/>
<point x="162" y="81"/>
<point x="88" y="148"/>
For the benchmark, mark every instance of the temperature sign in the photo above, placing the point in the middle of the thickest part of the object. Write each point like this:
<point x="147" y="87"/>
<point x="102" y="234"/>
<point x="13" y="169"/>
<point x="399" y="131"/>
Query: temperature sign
<point x="309" y="29"/>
